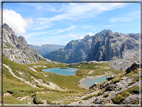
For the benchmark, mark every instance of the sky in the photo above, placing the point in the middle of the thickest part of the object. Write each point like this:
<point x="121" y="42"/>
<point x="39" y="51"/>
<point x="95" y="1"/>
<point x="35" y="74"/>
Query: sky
<point x="59" y="23"/>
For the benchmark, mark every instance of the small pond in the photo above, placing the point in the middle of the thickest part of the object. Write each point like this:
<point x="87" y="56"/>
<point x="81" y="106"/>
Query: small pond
<point x="66" y="71"/>
<point x="87" y="82"/>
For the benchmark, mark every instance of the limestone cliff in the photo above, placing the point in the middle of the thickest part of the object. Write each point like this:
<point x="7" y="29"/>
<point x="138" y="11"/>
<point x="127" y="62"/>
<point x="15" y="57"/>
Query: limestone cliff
<point x="108" y="45"/>
<point x="16" y="48"/>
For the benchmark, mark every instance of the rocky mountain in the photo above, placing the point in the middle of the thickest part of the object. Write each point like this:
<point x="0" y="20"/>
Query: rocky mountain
<point x="74" y="51"/>
<point x="107" y="45"/>
<point x="103" y="46"/>
<point x="16" y="48"/>
<point x="47" y="48"/>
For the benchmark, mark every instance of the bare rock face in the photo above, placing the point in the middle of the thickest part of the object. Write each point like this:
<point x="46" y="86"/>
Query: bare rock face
<point x="103" y="46"/>
<point x="107" y="45"/>
<point x="16" y="48"/>
<point x="6" y="27"/>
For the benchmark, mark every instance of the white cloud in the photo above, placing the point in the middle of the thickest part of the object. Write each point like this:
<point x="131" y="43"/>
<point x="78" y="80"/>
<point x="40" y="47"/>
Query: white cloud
<point x="16" y="21"/>
<point x="127" y="18"/>
<point x="81" y="37"/>
<point x="71" y="35"/>
<point x="76" y="11"/>
<point x="70" y="28"/>
<point x="91" y="34"/>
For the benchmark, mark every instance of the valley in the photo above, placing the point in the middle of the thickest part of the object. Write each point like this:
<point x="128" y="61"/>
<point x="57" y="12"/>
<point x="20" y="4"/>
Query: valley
<point x="25" y="82"/>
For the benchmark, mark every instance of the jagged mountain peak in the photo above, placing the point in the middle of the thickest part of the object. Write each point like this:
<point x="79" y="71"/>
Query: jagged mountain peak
<point x="103" y="33"/>
<point x="16" y="48"/>
<point x="6" y="27"/>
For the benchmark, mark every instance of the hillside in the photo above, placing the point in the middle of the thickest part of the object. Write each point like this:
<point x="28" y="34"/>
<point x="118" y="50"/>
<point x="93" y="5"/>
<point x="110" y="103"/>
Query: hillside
<point x="27" y="84"/>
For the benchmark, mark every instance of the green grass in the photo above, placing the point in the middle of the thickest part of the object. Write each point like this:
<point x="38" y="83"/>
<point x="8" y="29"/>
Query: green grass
<point x="135" y="80"/>
<point x="106" y="95"/>
<point x="21" y="89"/>
<point x="134" y="89"/>
<point x="98" y="68"/>
<point x="11" y="100"/>
<point x="118" y="99"/>
<point x="132" y="73"/>
<point x="90" y="96"/>
<point x="18" y="88"/>
<point x="49" y="97"/>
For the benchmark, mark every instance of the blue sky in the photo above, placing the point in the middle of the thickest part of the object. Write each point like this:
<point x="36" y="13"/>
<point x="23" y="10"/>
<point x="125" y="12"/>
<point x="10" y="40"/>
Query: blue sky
<point x="59" y="23"/>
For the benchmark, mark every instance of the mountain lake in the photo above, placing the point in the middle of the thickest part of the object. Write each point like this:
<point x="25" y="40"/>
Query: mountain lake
<point x="87" y="82"/>
<point x="66" y="71"/>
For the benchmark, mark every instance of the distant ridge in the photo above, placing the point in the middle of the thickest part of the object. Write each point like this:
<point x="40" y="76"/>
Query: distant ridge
<point x="46" y="48"/>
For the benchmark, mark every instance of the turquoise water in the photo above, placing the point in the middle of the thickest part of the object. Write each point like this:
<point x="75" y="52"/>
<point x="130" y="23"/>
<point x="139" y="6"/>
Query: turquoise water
<point x="68" y="71"/>
<point x="87" y="82"/>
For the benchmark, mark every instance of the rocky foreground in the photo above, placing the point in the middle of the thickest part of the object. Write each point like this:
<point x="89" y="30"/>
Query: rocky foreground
<point x="120" y="89"/>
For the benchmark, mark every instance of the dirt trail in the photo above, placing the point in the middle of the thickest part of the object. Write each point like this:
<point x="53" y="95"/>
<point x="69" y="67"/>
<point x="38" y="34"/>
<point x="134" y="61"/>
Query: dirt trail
<point x="27" y="82"/>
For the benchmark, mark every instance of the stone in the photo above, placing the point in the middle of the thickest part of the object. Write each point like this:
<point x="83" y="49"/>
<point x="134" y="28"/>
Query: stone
<point x="107" y="45"/>
<point x="131" y="98"/>
<point x="133" y="67"/>
<point x="110" y="77"/>
<point x="94" y="85"/>
<point x="110" y="87"/>
<point x="112" y="94"/>
<point x="102" y="101"/>
<point x="16" y="48"/>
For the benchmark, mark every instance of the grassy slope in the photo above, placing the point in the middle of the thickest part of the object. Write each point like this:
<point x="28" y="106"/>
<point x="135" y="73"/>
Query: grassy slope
<point x="98" y="68"/>
<point x="21" y="89"/>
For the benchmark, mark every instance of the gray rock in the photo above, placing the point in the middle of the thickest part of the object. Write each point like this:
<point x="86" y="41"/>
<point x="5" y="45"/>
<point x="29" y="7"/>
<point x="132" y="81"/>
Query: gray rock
<point x="75" y="51"/>
<point x="131" y="98"/>
<point x="112" y="94"/>
<point x="103" y="101"/>
<point x="16" y="48"/>
<point x="110" y="87"/>
<point x="94" y="85"/>
<point x="106" y="46"/>
<point x="133" y="67"/>
<point x="110" y="77"/>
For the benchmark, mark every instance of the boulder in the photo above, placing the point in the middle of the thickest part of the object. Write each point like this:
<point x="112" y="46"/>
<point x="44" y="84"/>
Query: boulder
<point x="94" y="85"/>
<point x="102" y="101"/>
<point x="133" y="67"/>
<point x="110" y="77"/>
<point x="110" y="87"/>
<point x="112" y="94"/>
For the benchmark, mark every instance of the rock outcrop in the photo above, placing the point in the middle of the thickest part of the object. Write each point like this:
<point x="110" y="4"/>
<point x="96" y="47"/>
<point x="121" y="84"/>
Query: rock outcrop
<point x="16" y="48"/>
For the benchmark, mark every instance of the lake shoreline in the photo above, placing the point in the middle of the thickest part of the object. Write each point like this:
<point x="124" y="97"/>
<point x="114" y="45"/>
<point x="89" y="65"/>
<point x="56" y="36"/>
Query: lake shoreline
<point x="89" y="77"/>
